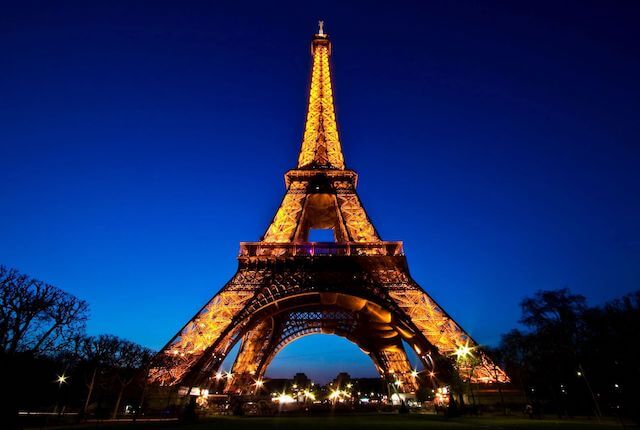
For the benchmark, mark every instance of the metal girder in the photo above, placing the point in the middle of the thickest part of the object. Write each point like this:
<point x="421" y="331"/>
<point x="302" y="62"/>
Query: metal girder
<point x="320" y="143"/>
<point x="286" y="287"/>
<point x="260" y="346"/>
<point x="376" y="286"/>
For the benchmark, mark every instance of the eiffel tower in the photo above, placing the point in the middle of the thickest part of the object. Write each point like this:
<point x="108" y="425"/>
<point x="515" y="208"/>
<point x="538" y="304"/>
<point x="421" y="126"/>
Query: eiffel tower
<point x="286" y="287"/>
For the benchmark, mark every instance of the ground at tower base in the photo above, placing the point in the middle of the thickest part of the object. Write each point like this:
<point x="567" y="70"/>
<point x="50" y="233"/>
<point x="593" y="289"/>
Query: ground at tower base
<point x="369" y="421"/>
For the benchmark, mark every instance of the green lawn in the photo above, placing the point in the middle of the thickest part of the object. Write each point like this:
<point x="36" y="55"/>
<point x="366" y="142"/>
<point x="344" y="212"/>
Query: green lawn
<point x="372" y="422"/>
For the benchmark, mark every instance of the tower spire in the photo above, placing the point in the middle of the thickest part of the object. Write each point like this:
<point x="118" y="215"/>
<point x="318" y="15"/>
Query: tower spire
<point x="288" y="286"/>
<point x="321" y="146"/>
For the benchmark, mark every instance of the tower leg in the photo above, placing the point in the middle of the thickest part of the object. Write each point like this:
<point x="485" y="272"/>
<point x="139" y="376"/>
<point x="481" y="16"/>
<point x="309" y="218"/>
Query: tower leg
<point x="396" y="367"/>
<point x="245" y="371"/>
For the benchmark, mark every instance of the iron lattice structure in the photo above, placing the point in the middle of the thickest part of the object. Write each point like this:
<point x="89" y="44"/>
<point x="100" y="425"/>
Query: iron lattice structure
<point x="286" y="287"/>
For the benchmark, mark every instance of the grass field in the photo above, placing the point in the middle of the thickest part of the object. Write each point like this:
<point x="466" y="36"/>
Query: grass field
<point x="373" y="422"/>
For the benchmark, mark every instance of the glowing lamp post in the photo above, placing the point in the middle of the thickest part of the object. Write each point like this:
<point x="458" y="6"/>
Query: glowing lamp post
<point x="60" y="380"/>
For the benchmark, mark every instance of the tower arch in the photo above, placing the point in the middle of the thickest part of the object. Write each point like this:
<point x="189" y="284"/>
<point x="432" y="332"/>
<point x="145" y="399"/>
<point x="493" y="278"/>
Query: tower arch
<point x="283" y="279"/>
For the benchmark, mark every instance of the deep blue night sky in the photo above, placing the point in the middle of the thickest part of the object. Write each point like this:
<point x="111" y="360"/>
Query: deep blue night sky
<point x="141" y="141"/>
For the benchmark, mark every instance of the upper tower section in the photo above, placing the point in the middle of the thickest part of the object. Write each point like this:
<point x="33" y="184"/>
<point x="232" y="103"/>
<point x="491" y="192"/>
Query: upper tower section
<point x="321" y="147"/>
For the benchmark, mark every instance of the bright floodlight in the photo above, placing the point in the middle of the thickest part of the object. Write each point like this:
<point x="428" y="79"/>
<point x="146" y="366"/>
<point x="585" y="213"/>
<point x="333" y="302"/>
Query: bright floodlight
<point x="335" y="394"/>
<point x="308" y="394"/>
<point x="285" y="398"/>
<point x="463" y="351"/>
<point x="61" y="379"/>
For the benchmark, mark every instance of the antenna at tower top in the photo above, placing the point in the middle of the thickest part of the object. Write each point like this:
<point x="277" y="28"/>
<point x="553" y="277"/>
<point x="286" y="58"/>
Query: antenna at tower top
<point x="320" y="28"/>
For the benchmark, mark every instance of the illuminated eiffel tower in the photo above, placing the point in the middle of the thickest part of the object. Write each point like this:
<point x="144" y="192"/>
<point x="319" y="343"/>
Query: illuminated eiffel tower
<point x="357" y="286"/>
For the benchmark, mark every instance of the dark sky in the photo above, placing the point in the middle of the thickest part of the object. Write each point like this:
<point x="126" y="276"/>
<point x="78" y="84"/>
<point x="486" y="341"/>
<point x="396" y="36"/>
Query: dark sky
<point x="141" y="141"/>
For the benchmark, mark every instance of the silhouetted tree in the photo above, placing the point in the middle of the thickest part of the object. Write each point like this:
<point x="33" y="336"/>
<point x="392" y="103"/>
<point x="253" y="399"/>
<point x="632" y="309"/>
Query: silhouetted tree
<point x="127" y="361"/>
<point x="570" y="355"/>
<point x="36" y="317"/>
<point x="96" y="354"/>
<point x="610" y="352"/>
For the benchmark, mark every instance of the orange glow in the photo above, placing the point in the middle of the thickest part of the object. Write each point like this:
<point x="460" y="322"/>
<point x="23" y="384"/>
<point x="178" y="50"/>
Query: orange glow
<point x="281" y="268"/>
<point x="463" y="351"/>
<point x="320" y="142"/>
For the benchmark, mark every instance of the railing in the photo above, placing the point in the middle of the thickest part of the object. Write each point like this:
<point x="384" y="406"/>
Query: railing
<point x="260" y="249"/>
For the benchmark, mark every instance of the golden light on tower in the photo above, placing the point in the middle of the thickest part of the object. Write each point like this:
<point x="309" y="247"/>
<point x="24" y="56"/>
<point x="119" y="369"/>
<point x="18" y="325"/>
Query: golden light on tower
<point x="286" y="287"/>
<point x="320" y="142"/>
<point x="463" y="352"/>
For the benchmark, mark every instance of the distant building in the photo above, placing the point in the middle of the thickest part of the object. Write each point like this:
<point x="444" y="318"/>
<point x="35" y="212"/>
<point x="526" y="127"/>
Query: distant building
<point x="366" y="386"/>
<point x="342" y="380"/>
<point x="301" y="380"/>
<point x="277" y="385"/>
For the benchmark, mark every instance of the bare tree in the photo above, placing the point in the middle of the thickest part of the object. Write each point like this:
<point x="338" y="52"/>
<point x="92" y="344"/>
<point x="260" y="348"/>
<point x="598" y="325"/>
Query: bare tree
<point x="128" y="362"/>
<point x="37" y="317"/>
<point x="97" y="352"/>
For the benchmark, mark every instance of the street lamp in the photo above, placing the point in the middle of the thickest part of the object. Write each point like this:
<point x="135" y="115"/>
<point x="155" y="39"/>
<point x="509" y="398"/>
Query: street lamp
<point x="61" y="379"/>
